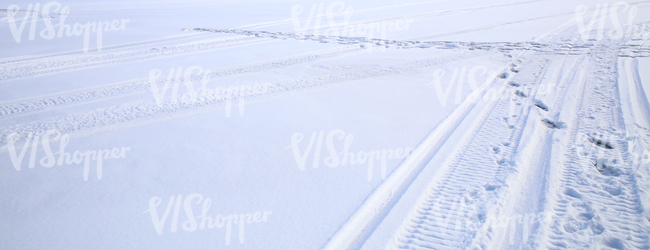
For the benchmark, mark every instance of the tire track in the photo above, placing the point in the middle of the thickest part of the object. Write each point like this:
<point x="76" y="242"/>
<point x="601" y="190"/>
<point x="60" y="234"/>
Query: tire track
<point x="144" y="85"/>
<point x="48" y="67"/>
<point x="105" y="48"/>
<point x="147" y="109"/>
<point x="598" y="203"/>
<point x="522" y="202"/>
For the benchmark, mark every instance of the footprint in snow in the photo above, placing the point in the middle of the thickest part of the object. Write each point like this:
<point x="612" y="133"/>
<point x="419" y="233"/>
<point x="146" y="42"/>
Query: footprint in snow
<point x="587" y="216"/>
<point x="604" y="168"/>
<point x="540" y="105"/>
<point x="615" y="243"/>
<point x="489" y="187"/>
<point x="520" y="94"/>
<point x="573" y="193"/>
<point x="601" y="143"/>
<point x="553" y="125"/>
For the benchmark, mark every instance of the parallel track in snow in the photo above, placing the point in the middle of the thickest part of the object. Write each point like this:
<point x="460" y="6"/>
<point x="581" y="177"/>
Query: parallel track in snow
<point x="91" y="50"/>
<point x="210" y="98"/>
<point x="58" y="64"/>
<point x="456" y="202"/>
<point x="140" y="86"/>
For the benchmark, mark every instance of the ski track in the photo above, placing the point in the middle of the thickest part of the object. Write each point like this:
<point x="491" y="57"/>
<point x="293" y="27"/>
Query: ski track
<point x="361" y="224"/>
<point x="637" y="118"/>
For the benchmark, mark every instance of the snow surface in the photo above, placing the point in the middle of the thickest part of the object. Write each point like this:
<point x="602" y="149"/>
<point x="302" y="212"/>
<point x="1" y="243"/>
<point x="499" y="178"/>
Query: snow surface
<point x="501" y="124"/>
